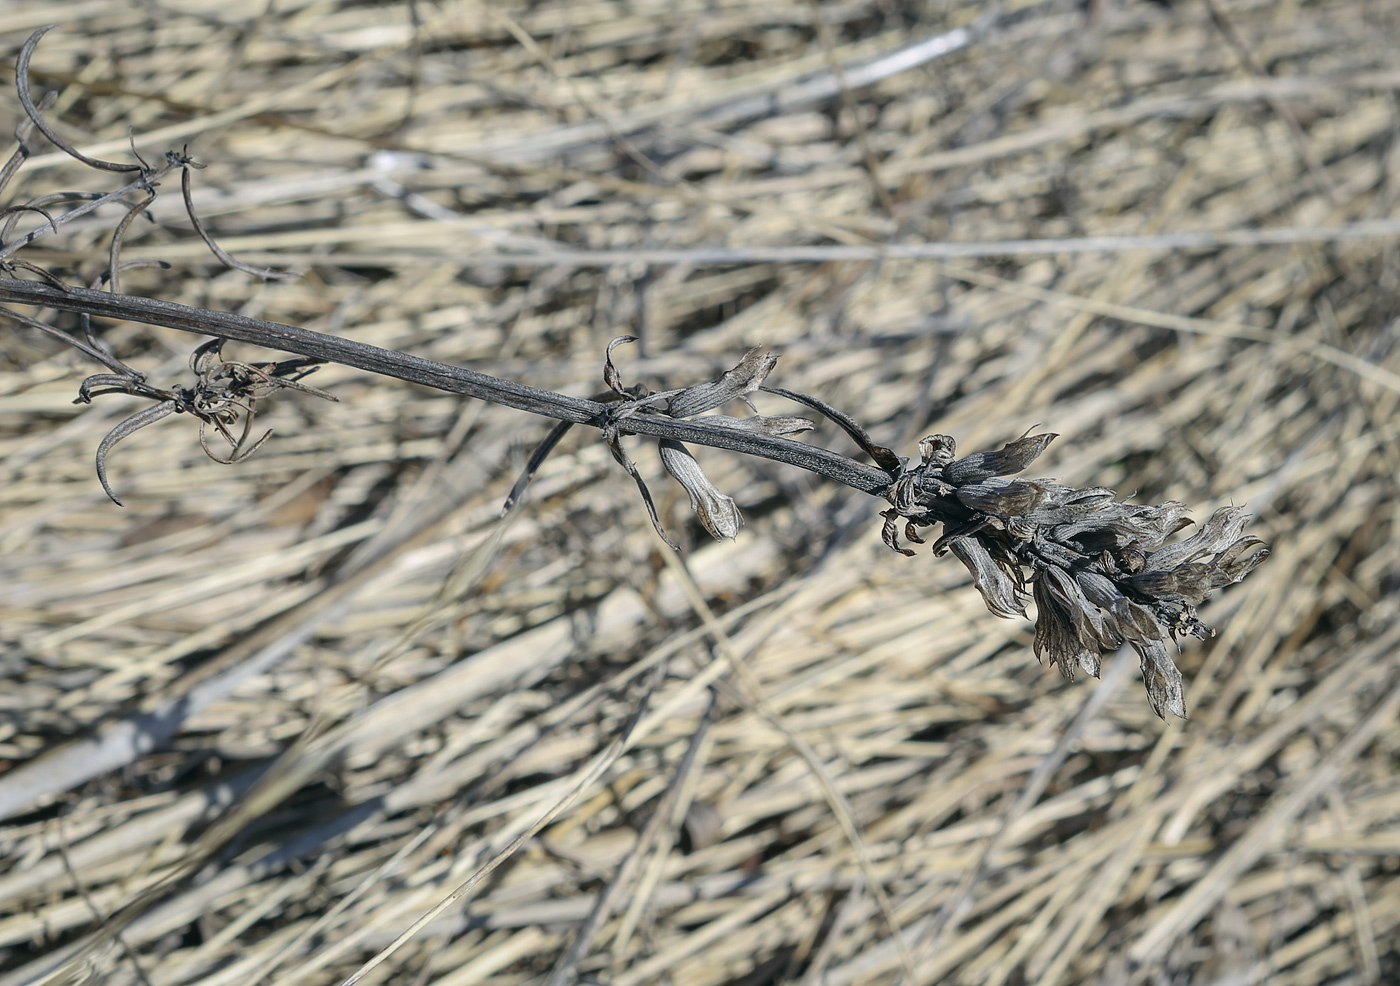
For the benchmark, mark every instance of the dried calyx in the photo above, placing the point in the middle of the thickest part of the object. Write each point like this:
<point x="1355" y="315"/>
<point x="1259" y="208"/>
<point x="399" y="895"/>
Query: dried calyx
<point x="1100" y="570"/>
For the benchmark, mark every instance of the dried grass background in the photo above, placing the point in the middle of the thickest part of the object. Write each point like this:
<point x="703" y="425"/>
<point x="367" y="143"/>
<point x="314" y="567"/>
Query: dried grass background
<point x="461" y="676"/>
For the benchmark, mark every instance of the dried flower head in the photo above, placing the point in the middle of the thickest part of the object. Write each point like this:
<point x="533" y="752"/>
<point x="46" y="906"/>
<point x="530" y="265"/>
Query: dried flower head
<point x="1100" y="570"/>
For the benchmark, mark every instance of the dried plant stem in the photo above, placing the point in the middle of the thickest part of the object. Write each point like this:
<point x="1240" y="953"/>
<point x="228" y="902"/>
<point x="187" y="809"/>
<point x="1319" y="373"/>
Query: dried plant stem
<point x="456" y="379"/>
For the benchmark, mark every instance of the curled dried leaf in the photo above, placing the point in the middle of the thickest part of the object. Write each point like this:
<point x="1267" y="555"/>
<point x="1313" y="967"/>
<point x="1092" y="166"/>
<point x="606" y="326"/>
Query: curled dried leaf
<point x="937" y="451"/>
<point x="129" y="426"/>
<point x="26" y="100"/>
<point x="611" y="377"/>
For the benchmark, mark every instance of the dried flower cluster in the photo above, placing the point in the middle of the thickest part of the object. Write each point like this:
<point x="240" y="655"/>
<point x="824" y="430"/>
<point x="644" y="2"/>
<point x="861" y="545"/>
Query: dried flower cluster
<point x="223" y="392"/>
<point x="1099" y="569"/>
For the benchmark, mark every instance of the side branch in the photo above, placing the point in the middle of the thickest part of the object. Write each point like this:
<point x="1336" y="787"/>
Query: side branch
<point x="441" y="376"/>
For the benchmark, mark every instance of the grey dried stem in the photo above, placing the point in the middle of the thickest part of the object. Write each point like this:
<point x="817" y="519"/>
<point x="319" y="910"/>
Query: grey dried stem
<point x="1101" y="571"/>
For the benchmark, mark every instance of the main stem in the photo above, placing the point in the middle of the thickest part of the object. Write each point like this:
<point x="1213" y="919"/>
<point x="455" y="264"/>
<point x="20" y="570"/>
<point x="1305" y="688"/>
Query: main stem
<point x="441" y="376"/>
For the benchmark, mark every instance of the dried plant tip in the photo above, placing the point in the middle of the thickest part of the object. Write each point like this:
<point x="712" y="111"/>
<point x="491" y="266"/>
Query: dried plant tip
<point x="716" y="510"/>
<point x="1099" y="574"/>
<point x="611" y="377"/>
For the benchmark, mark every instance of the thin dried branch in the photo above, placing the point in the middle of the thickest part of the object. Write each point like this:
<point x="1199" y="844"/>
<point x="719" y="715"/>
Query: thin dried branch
<point x="14" y="212"/>
<point x="536" y="460"/>
<point x="92" y="351"/>
<point x="91" y="202"/>
<point x="114" y="263"/>
<point x="1080" y="547"/>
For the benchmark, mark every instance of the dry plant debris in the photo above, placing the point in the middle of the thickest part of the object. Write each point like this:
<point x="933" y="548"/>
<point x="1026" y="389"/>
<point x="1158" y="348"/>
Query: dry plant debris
<point x="266" y="718"/>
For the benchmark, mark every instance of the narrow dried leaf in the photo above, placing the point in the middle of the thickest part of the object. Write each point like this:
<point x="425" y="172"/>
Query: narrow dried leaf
<point x="1058" y="637"/>
<point x="620" y="454"/>
<point x="745" y="378"/>
<point x="532" y="466"/>
<point x="1163" y="680"/>
<point x="1001" y="498"/>
<point x="881" y="456"/>
<point x="1126" y="619"/>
